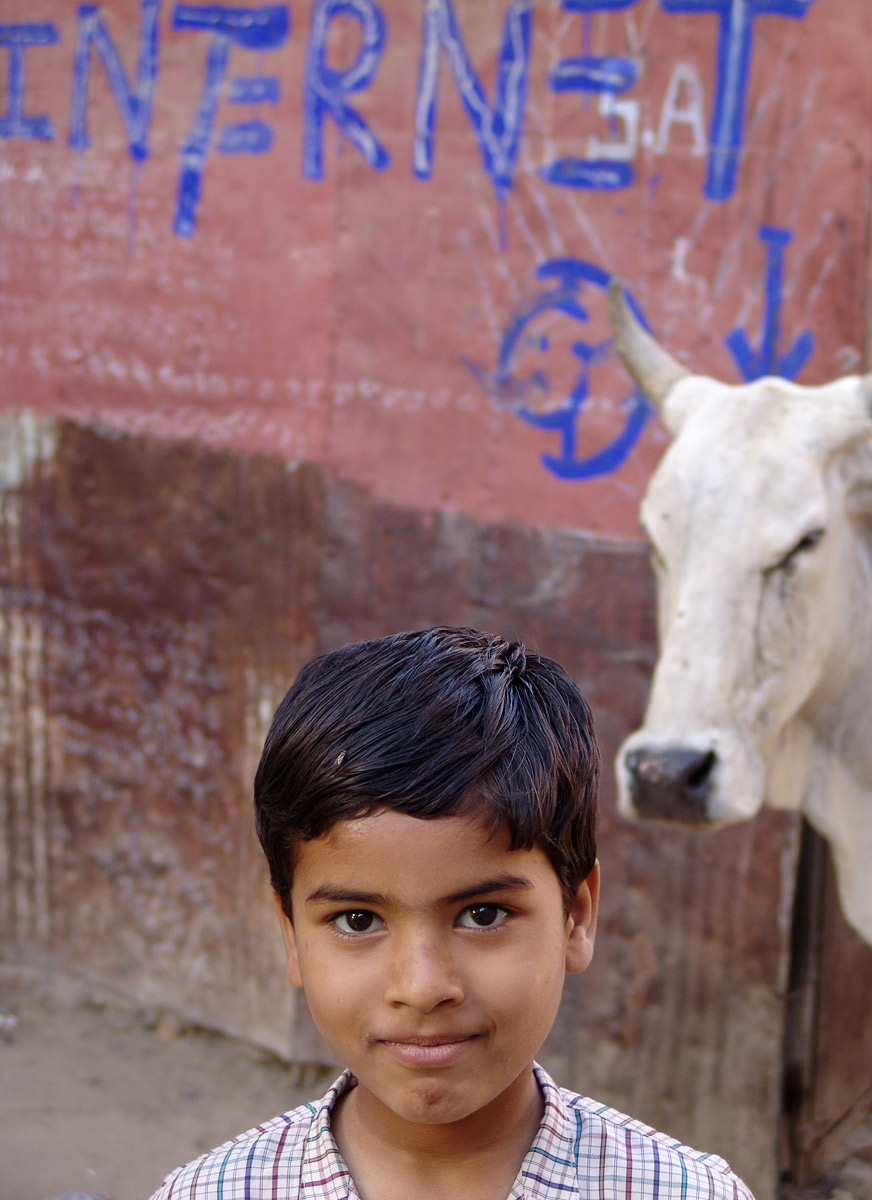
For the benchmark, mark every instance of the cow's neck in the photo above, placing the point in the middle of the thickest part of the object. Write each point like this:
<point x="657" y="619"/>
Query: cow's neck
<point x="839" y="710"/>
<point x="834" y="734"/>
<point x="839" y="805"/>
<point x="822" y="766"/>
<point x="840" y="720"/>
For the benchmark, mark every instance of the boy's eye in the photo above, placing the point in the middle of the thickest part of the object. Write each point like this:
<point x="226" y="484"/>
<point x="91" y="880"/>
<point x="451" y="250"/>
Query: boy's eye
<point x="482" y="916"/>
<point x="358" y="920"/>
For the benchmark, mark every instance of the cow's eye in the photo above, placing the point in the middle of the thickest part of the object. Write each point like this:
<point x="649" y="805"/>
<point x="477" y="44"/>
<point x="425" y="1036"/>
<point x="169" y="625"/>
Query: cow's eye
<point x="805" y="543"/>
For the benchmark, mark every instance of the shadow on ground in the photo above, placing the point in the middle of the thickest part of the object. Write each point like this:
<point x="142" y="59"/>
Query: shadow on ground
<point x="97" y="1096"/>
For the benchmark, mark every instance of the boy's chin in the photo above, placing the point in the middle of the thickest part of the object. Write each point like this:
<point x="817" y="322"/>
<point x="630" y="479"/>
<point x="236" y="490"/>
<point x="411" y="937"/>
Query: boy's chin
<point x="438" y="1100"/>
<point x="431" y="1104"/>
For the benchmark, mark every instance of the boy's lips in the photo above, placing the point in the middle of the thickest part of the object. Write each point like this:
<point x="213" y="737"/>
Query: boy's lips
<point x="428" y="1049"/>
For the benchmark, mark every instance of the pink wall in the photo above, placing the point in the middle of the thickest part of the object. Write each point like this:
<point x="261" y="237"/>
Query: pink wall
<point x="379" y="305"/>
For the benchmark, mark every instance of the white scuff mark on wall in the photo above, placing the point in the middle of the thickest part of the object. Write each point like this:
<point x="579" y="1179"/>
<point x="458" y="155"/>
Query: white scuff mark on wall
<point x="812" y="171"/>
<point x="634" y="40"/>
<point x="808" y="248"/>
<point x="784" y="151"/>
<point x="498" y="258"/>
<point x="549" y="152"/>
<point x="558" y="246"/>
<point x="730" y="257"/>
<point x="848" y="358"/>
<point x="550" y="45"/>
<point x="581" y="219"/>
<point x="699" y="222"/>
<point x="815" y="289"/>
<point x="749" y="303"/>
<point x="564" y="27"/>
<point x="773" y="91"/>
<point x="692" y="238"/>
<point x="25" y="441"/>
<point x="680" y="250"/>
<point x="262" y="696"/>
<point x="263" y="689"/>
<point x="526" y="232"/>
<point x="682" y="247"/>
<point x="530" y="167"/>
<point x="652" y="10"/>
<point x="490" y="228"/>
<point x="489" y="310"/>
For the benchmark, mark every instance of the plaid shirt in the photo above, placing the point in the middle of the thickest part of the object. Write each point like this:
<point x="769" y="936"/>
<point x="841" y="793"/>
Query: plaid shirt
<point x="582" y="1149"/>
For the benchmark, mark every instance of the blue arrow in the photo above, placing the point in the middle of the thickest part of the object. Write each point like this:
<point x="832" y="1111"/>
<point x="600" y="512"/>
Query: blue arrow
<point x="768" y="362"/>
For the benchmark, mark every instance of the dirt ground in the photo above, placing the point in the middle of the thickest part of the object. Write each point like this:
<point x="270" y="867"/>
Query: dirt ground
<point x="99" y="1097"/>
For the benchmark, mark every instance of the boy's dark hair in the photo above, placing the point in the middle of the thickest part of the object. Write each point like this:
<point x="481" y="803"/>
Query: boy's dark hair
<point x="439" y="722"/>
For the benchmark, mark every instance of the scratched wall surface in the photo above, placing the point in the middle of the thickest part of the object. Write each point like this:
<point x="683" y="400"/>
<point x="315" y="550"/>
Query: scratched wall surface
<point x="157" y="601"/>
<point x="302" y="307"/>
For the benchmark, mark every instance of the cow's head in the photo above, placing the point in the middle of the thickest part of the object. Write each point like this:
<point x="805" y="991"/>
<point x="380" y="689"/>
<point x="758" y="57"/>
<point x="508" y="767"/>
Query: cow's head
<point x="758" y="517"/>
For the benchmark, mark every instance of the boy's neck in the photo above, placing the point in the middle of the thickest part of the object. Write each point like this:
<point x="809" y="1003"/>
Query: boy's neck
<point x="479" y="1156"/>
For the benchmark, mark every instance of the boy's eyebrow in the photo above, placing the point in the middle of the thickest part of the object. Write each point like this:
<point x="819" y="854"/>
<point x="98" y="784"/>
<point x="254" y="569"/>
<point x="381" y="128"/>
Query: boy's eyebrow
<point x="498" y="883"/>
<point x="345" y="896"/>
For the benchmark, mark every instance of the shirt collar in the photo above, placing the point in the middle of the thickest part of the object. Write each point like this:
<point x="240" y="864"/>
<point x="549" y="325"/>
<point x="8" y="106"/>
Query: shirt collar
<point x="323" y="1175"/>
<point x="549" y="1170"/>
<point x="542" y="1175"/>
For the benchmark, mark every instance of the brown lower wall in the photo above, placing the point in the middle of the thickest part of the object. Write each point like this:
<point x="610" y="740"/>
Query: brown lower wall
<point x="157" y="600"/>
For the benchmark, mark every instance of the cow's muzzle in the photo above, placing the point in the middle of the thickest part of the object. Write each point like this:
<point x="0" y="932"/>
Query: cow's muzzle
<point x="671" y="784"/>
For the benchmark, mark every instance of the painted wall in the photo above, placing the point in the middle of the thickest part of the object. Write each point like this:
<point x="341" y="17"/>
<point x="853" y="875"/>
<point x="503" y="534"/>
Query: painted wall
<point x="158" y="599"/>
<point x="377" y="235"/>
<point x="304" y="308"/>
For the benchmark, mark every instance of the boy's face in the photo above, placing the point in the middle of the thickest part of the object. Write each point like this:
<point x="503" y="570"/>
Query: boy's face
<point x="432" y="957"/>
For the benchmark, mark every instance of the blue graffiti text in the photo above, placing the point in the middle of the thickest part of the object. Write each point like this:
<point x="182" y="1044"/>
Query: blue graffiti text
<point x="326" y="89"/>
<point x="498" y="126"/>
<point x="264" y="28"/>
<point x="134" y="103"/>
<point x="16" y="39"/>
<point x="731" y="85"/>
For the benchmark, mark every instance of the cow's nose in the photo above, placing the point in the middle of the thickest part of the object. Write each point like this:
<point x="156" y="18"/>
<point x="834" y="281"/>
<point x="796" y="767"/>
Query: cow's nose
<point x="671" y="784"/>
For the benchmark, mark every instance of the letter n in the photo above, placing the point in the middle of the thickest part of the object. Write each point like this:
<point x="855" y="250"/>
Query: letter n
<point x="134" y="104"/>
<point x="498" y="126"/>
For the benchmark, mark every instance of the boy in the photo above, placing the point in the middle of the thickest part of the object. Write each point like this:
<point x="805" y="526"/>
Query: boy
<point x="427" y="806"/>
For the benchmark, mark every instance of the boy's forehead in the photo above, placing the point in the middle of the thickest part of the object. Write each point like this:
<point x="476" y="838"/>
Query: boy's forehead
<point x="384" y="834"/>
<point x="391" y="853"/>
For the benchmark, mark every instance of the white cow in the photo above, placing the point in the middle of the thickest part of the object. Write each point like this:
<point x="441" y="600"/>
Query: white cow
<point x="760" y="520"/>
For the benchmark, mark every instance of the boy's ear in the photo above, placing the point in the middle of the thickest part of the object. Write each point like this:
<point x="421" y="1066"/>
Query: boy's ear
<point x="289" y="937"/>
<point x="582" y="924"/>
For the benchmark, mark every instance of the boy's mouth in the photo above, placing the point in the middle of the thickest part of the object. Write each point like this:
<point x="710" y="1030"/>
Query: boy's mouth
<point x="429" y="1050"/>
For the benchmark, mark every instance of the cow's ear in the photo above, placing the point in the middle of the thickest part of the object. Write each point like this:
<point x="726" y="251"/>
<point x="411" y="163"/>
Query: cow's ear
<point x="683" y="396"/>
<point x="856" y="472"/>
<point x="866" y="385"/>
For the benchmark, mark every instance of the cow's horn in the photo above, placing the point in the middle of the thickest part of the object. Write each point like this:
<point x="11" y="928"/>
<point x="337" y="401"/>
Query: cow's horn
<point x="655" y="371"/>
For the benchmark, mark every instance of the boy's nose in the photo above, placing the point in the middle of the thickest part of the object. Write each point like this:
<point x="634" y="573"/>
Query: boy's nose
<point x="422" y="976"/>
